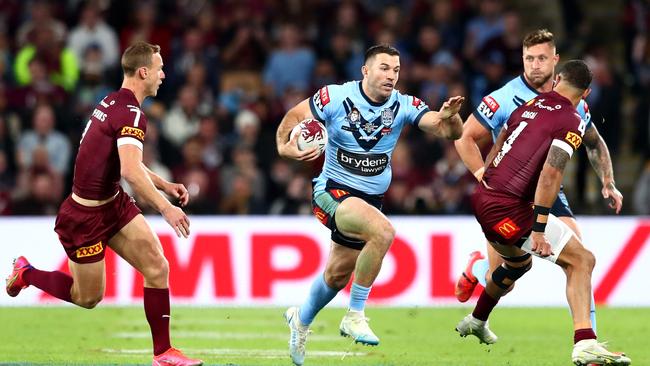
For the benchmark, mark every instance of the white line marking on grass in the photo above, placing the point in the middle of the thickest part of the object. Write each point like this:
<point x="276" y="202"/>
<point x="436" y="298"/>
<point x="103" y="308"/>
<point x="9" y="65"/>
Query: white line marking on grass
<point x="233" y="352"/>
<point x="203" y="322"/>
<point x="225" y="335"/>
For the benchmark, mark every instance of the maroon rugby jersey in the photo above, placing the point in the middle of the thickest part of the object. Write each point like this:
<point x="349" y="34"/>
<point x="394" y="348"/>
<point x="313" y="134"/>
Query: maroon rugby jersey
<point x="549" y="119"/>
<point x="117" y="120"/>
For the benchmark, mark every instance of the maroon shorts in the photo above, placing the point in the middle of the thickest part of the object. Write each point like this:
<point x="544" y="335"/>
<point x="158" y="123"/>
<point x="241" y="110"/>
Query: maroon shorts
<point x="504" y="219"/>
<point x="84" y="231"/>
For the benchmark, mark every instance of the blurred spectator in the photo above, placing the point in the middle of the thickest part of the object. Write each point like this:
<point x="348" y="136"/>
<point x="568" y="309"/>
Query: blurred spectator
<point x="192" y="55"/>
<point x="182" y="121"/>
<point x="243" y="171"/>
<point x="40" y="12"/>
<point x="143" y="26"/>
<point x="296" y="200"/>
<point x="193" y="165"/>
<point x="291" y="64"/>
<point x="43" y="134"/>
<point x="642" y="190"/>
<point x="488" y="24"/>
<point x="41" y="199"/>
<point x="93" y="32"/>
<point x="92" y="85"/>
<point x="241" y="201"/>
<point x="212" y="153"/>
<point x="39" y="90"/>
<point x="508" y="44"/>
<point x="452" y="184"/>
<point x="60" y="62"/>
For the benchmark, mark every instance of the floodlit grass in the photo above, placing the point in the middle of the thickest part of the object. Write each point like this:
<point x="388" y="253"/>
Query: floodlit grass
<point x="258" y="336"/>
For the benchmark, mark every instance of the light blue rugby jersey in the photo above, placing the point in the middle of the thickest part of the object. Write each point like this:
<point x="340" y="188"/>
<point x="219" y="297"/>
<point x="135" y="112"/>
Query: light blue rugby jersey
<point x="495" y="109"/>
<point x="362" y="134"/>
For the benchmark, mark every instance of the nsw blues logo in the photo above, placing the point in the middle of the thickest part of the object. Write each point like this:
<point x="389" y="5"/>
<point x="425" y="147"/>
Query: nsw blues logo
<point x="368" y="133"/>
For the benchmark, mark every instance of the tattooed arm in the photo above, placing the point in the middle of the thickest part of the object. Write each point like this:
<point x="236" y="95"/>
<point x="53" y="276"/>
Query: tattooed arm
<point x="602" y="163"/>
<point x="548" y="187"/>
<point x="550" y="178"/>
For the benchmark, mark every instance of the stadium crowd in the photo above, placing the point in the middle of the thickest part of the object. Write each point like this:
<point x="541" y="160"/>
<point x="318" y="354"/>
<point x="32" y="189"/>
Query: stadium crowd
<point x="233" y="68"/>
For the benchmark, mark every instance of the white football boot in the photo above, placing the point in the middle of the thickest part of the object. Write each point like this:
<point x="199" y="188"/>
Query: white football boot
<point x="298" y="336"/>
<point x="479" y="328"/>
<point x="590" y="351"/>
<point x="355" y="326"/>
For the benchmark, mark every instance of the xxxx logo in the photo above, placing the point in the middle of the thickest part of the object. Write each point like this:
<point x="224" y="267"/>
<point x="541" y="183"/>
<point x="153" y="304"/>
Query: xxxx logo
<point x="90" y="250"/>
<point x="574" y="139"/>
<point x="132" y="131"/>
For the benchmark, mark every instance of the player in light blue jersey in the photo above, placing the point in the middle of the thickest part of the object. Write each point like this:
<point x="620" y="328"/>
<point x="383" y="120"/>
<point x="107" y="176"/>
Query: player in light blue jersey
<point x="540" y="59"/>
<point x="363" y="120"/>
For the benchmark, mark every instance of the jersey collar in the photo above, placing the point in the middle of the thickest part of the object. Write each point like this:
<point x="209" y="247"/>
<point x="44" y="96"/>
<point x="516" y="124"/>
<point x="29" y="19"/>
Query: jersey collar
<point x="367" y="98"/>
<point x="523" y="80"/>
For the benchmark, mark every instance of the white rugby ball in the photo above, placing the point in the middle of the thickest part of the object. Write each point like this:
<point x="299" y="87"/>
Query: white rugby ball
<point x="311" y="133"/>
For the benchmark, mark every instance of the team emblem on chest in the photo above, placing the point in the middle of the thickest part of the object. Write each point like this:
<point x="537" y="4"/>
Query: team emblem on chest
<point x="368" y="133"/>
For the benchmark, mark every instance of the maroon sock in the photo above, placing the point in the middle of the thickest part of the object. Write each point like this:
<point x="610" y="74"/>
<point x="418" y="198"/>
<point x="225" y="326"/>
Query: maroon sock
<point x="57" y="284"/>
<point x="582" y="334"/>
<point x="484" y="306"/>
<point x="156" y="308"/>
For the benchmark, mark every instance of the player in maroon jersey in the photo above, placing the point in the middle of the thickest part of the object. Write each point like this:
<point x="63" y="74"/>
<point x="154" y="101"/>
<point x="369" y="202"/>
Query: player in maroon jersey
<point x="99" y="214"/>
<point x="522" y="178"/>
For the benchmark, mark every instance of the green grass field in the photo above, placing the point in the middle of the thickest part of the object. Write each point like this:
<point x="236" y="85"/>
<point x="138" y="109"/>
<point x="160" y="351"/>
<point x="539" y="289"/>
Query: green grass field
<point x="258" y="336"/>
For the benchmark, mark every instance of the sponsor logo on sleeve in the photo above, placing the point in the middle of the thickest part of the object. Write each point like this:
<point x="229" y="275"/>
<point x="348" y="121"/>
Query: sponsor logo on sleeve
<point x="488" y="107"/>
<point x="132" y="131"/>
<point x="418" y="103"/>
<point x="574" y="139"/>
<point x="90" y="250"/>
<point x="321" y="98"/>
<point x="506" y="228"/>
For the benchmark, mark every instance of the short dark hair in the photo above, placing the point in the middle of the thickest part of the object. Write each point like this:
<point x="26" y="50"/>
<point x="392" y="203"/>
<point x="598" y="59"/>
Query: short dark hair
<point x="539" y="36"/>
<point x="138" y="55"/>
<point x="380" y="48"/>
<point x="576" y="73"/>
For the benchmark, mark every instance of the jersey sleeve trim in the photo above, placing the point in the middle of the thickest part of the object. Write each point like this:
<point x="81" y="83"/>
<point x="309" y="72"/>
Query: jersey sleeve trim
<point x="416" y="122"/>
<point x="482" y="120"/>
<point x="314" y="111"/>
<point x="564" y="146"/>
<point x="130" y="141"/>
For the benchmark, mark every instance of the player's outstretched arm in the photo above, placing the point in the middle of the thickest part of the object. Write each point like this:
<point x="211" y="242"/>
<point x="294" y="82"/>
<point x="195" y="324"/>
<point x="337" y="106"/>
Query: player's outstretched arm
<point x="288" y="145"/>
<point x="446" y="122"/>
<point x="132" y="170"/>
<point x="469" y="145"/>
<point x="601" y="161"/>
<point x="175" y="190"/>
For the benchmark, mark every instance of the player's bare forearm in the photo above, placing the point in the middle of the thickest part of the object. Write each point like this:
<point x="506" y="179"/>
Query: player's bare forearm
<point x="296" y="114"/>
<point x="469" y="152"/>
<point x="133" y="171"/>
<point x="550" y="179"/>
<point x="157" y="180"/>
<point x="496" y="148"/>
<point x="599" y="156"/>
<point x="451" y="128"/>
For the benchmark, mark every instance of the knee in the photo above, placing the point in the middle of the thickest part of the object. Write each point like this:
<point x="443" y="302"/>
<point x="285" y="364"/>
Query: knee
<point x="89" y="302"/>
<point x="157" y="271"/>
<point x="337" y="279"/>
<point x="386" y="235"/>
<point x="583" y="261"/>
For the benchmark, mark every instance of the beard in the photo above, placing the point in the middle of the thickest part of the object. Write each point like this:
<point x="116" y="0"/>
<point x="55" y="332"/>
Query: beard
<point x="538" y="80"/>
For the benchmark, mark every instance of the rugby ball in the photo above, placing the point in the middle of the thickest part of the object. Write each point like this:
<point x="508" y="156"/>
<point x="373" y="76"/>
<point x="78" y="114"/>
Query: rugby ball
<point x="310" y="133"/>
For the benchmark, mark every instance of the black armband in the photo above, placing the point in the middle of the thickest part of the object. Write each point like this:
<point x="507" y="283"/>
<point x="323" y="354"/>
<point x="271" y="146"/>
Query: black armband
<point x="540" y="210"/>
<point x="539" y="227"/>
